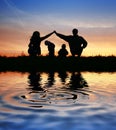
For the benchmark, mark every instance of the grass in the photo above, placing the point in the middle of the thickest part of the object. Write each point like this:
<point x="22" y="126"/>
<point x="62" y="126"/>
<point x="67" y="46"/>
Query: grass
<point x="44" y="63"/>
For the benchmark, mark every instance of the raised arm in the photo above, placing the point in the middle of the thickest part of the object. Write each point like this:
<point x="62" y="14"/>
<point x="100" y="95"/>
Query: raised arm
<point x="44" y="37"/>
<point x="61" y="36"/>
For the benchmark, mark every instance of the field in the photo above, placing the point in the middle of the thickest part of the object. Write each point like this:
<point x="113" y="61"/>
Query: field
<point x="44" y="63"/>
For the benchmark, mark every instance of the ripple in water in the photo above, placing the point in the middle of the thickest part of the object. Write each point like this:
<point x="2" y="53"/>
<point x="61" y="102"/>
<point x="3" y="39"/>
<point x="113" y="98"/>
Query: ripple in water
<point x="57" y="100"/>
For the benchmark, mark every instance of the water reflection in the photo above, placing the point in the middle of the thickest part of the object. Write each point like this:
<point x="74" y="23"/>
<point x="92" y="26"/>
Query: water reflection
<point x="34" y="81"/>
<point x="58" y="86"/>
<point x="50" y="80"/>
<point x="77" y="81"/>
<point x="63" y="75"/>
<point x="50" y="100"/>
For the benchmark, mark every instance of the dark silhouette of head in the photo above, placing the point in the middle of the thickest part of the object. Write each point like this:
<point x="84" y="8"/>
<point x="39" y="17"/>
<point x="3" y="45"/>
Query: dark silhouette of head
<point x="36" y="34"/>
<point x="75" y="31"/>
<point x="63" y="46"/>
<point x="46" y="42"/>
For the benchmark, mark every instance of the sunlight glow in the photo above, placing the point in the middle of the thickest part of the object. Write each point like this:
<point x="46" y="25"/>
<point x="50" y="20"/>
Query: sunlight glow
<point x="19" y="21"/>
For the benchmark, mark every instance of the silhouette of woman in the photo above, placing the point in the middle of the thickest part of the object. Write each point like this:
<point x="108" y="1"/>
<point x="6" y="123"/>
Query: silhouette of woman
<point x="35" y="41"/>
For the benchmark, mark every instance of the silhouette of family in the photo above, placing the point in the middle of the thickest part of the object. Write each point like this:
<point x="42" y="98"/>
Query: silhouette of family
<point x="76" y="44"/>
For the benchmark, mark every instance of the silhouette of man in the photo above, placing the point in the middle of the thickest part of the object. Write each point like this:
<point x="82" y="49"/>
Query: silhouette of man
<point x="63" y="52"/>
<point x="35" y="41"/>
<point x="51" y="48"/>
<point x="76" y="43"/>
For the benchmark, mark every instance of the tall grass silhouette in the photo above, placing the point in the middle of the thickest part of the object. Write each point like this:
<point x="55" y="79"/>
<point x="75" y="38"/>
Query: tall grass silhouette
<point x="45" y="63"/>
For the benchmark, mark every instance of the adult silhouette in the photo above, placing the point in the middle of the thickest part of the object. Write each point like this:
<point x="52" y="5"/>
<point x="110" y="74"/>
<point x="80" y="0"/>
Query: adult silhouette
<point x="35" y="41"/>
<point x="63" y="51"/>
<point x="76" y="43"/>
<point x="51" y="48"/>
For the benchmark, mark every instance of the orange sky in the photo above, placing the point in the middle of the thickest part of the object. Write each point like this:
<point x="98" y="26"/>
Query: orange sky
<point x="14" y="42"/>
<point x="20" y="18"/>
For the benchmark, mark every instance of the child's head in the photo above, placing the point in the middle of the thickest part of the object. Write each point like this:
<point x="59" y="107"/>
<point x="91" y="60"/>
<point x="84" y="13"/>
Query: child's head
<point x="63" y="46"/>
<point x="46" y="42"/>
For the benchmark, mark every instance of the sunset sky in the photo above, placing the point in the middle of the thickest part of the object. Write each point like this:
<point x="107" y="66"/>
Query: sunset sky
<point x="95" y="20"/>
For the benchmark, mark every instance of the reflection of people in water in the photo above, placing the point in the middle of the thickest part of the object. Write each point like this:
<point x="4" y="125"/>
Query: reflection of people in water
<point x="34" y="81"/>
<point x="50" y="79"/>
<point x="35" y="41"/>
<point x="62" y="75"/>
<point x="77" y="81"/>
<point x="51" y="48"/>
<point x="76" y="43"/>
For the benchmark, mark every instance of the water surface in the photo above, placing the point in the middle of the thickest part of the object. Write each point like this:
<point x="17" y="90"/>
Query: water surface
<point x="57" y="101"/>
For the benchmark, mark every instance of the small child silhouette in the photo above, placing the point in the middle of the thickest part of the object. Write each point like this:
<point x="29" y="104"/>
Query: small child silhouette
<point x="51" y="48"/>
<point x="63" y="52"/>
